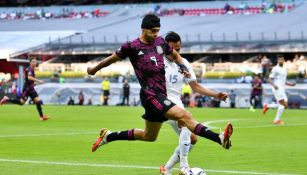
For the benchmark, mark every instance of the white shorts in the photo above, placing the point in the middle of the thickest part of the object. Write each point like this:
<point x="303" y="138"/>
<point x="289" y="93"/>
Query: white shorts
<point x="174" y="125"/>
<point x="280" y="94"/>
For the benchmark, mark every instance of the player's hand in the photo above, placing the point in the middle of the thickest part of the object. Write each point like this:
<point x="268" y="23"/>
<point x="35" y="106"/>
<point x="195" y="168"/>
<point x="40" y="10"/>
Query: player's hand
<point x="222" y="96"/>
<point x="184" y="70"/>
<point x="41" y="82"/>
<point x="292" y="84"/>
<point x="91" y="71"/>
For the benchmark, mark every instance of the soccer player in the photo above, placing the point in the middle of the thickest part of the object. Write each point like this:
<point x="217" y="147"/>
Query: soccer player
<point x="278" y="80"/>
<point x="256" y="94"/>
<point x="146" y="55"/>
<point x="29" y="91"/>
<point x="174" y="84"/>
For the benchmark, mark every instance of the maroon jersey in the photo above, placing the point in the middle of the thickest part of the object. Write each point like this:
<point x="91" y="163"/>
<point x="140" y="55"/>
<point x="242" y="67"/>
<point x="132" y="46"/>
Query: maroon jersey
<point x="29" y="83"/>
<point x="256" y="87"/>
<point x="148" y="63"/>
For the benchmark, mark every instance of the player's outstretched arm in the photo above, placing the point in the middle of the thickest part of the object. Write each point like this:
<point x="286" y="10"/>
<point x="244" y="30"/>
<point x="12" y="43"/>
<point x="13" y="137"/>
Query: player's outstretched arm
<point x="31" y="78"/>
<point x="179" y="61"/>
<point x="290" y="83"/>
<point x="104" y="63"/>
<point x="204" y="91"/>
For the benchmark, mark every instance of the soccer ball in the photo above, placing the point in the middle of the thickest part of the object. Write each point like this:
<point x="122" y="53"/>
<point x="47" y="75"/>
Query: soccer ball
<point x="196" y="171"/>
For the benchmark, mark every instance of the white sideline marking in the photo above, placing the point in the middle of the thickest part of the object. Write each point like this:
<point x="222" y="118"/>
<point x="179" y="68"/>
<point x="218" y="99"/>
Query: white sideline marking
<point x="132" y="166"/>
<point x="207" y="123"/>
<point x="39" y="135"/>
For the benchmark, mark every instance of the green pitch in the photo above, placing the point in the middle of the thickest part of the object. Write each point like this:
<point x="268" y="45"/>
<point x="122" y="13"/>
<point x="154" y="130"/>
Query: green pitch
<point x="62" y="145"/>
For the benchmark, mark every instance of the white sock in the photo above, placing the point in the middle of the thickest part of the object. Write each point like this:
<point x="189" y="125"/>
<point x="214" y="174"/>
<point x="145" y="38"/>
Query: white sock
<point x="273" y="105"/>
<point x="280" y="110"/>
<point x="174" y="159"/>
<point x="184" y="146"/>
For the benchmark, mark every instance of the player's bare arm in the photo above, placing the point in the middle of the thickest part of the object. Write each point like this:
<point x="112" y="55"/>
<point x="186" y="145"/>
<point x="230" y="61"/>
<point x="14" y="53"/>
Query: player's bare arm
<point x="290" y="83"/>
<point x="104" y="63"/>
<point x="204" y="91"/>
<point x="31" y="78"/>
<point x="179" y="61"/>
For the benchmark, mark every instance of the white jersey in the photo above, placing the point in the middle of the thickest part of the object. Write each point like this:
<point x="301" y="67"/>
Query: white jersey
<point x="279" y="76"/>
<point x="175" y="80"/>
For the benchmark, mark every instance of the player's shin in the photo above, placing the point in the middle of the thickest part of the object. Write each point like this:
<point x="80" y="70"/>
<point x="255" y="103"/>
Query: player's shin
<point x="121" y="135"/>
<point x="205" y="132"/>
<point x="184" y="145"/>
<point x="15" y="101"/>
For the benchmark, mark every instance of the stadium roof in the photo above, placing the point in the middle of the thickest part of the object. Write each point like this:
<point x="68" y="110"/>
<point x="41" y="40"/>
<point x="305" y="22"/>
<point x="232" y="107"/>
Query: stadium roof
<point x="232" y="33"/>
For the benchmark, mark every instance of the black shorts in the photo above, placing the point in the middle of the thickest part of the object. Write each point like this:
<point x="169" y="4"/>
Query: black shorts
<point x="155" y="108"/>
<point x="106" y="92"/>
<point x="28" y="92"/>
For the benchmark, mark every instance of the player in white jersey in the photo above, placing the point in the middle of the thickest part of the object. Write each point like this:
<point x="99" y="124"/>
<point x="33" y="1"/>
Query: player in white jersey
<point x="174" y="84"/>
<point x="278" y="81"/>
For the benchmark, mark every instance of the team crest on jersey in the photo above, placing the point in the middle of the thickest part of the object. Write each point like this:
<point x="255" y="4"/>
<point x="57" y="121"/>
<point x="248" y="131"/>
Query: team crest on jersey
<point x="167" y="102"/>
<point x="159" y="49"/>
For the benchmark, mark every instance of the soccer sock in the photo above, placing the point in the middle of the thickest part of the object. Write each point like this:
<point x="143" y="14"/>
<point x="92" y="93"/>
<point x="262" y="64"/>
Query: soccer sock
<point x="15" y="101"/>
<point x="39" y="109"/>
<point x="272" y="105"/>
<point x="204" y="131"/>
<point x="174" y="159"/>
<point x="121" y="135"/>
<point x="280" y="110"/>
<point x="184" y="146"/>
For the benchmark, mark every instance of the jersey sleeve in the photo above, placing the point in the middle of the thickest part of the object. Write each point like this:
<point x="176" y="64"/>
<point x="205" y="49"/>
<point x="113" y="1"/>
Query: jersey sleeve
<point x="273" y="73"/>
<point x="168" y="50"/>
<point x="193" y="76"/>
<point x="29" y="72"/>
<point x="123" y="51"/>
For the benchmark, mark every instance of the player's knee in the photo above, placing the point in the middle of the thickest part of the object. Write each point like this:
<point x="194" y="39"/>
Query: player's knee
<point x="184" y="118"/>
<point x="193" y="139"/>
<point x="150" y="138"/>
<point x="22" y="102"/>
<point x="39" y="102"/>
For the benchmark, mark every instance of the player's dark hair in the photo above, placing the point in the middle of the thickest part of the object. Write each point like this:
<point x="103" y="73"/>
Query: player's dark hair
<point x="150" y="21"/>
<point x="172" y="37"/>
<point x="280" y="56"/>
<point x="32" y="58"/>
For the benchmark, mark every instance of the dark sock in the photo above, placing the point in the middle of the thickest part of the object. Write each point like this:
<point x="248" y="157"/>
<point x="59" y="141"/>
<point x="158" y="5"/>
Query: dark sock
<point x="121" y="135"/>
<point x="204" y="131"/>
<point x="39" y="109"/>
<point x="15" y="101"/>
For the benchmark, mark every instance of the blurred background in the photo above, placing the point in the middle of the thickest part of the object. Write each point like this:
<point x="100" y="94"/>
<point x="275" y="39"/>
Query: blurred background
<point x="227" y="43"/>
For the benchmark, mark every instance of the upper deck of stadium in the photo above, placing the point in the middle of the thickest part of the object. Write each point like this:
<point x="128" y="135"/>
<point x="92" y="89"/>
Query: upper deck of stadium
<point x="204" y="27"/>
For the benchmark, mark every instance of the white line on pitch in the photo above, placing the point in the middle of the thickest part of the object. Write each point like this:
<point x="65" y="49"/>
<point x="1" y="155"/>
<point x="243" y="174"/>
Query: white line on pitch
<point x="39" y="135"/>
<point x="131" y="166"/>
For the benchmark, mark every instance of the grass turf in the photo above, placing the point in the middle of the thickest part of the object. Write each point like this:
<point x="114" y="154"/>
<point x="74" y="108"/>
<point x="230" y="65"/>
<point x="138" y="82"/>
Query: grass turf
<point x="62" y="145"/>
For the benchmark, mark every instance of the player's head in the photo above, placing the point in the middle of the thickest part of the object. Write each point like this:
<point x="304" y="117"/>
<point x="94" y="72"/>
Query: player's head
<point x="257" y="76"/>
<point x="174" y="40"/>
<point x="150" y="27"/>
<point x="33" y="62"/>
<point x="280" y="59"/>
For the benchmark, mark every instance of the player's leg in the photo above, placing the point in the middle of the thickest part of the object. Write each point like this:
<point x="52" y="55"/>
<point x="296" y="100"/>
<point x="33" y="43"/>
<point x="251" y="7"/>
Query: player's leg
<point x="184" y="145"/>
<point x="17" y="100"/>
<point x="39" y="104"/>
<point x="149" y="134"/>
<point x="180" y="149"/>
<point x="252" y="102"/>
<point x="283" y="104"/>
<point x="185" y="118"/>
